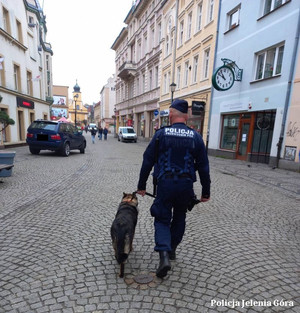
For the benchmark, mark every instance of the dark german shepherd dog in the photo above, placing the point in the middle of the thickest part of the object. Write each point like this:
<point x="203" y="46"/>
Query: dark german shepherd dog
<point x="123" y="228"/>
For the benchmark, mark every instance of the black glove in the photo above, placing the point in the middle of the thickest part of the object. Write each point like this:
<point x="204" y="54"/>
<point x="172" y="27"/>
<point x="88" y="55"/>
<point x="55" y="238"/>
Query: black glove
<point x="193" y="202"/>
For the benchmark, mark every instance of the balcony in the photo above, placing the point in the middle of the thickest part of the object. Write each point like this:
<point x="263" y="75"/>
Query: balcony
<point x="127" y="70"/>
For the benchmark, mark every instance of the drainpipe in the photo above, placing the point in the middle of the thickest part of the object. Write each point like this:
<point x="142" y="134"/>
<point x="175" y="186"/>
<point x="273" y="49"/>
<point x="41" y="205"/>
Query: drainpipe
<point x="175" y="41"/>
<point x="288" y="92"/>
<point x="212" y="88"/>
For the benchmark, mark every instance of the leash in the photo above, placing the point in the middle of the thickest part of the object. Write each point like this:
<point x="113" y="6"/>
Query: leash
<point x="149" y="194"/>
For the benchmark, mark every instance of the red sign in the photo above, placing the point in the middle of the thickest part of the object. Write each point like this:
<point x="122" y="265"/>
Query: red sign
<point x="24" y="103"/>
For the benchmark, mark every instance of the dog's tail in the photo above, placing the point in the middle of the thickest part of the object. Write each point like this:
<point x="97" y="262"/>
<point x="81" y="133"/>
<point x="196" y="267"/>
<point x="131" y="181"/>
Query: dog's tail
<point x="123" y="249"/>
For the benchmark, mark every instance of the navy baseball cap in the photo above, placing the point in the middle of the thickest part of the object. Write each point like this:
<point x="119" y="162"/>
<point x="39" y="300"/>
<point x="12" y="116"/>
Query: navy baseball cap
<point x="180" y="105"/>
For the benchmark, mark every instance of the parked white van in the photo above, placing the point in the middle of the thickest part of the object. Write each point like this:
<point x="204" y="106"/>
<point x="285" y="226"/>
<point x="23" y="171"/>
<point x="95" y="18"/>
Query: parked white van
<point x="127" y="133"/>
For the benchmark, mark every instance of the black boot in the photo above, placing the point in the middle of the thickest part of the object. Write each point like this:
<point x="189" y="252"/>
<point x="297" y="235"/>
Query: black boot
<point x="164" y="264"/>
<point x="172" y="254"/>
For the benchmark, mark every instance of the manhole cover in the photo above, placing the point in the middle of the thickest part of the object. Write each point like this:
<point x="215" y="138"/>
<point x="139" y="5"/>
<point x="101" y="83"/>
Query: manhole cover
<point x="143" y="279"/>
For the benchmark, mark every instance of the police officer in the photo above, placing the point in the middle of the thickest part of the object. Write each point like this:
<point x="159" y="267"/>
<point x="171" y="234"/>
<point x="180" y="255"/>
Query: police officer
<point x="176" y="152"/>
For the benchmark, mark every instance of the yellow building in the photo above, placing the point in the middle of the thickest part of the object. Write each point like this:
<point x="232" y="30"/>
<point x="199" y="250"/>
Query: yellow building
<point x="188" y="58"/>
<point x="78" y="113"/>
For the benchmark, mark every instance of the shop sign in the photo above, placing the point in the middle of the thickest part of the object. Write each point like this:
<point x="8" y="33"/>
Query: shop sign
<point x="197" y="107"/>
<point x="156" y="112"/>
<point x="164" y="112"/>
<point x="24" y="103"/>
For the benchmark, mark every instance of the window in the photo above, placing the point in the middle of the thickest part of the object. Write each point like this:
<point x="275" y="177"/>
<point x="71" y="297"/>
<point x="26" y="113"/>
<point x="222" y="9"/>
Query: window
<point x="210" y="13"/>
<point x="29" y="83"/>
<point x="206" y="63"/>
<point x="167" y="45"/>
<point x="137" y="86"/>
<point x="159" y="33"/>
<point x="186" y="73"/>
<point x="181" y="26"/>
<point x="150" y="80"/>
<point x="269" y="62"/>
<point x="165" y="84"/>
<point x="145" y="45"/>
<point x="143" y="83"/>
<point x="156" y="76"/>
<point x="6" y="23"/>
<point x="230" y="132"/>
<point x="195" y="68"/>
<point x="189" y="27"/>
<point x="178" y="77"/>
<point x="199" y="16"/>
<point x="2" y="72"/>
<point x="17" y="77"/>
<point x="271" y="5"/>
<point x="19" y="31"/>
<point x="233" y="18"/>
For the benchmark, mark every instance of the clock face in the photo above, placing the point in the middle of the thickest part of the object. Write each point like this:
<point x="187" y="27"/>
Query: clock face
<point x="223" y="78"/>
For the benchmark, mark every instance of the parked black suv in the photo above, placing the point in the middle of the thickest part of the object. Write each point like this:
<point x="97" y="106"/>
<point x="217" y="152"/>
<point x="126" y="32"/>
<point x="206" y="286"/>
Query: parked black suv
<point x="55" y="136"/>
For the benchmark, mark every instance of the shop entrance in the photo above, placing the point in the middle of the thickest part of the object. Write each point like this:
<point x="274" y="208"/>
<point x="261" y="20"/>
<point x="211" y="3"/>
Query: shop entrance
<point x="244" y="137"/>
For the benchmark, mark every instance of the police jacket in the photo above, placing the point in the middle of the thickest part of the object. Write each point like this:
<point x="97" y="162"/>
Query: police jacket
<point x="177" y="151"/>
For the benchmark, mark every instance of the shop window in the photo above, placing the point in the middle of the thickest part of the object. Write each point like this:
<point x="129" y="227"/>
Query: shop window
<point x="262" y="136"/>
<point x="269" y="62"/>
<point x="230" y="132"/>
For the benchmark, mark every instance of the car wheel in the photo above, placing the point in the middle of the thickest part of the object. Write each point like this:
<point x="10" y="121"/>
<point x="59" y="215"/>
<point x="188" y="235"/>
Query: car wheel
<point x="82" y="150"/>
<point x="135" y="141"/>
<point x="34" y="150"/>
<point x="66" y="149"/>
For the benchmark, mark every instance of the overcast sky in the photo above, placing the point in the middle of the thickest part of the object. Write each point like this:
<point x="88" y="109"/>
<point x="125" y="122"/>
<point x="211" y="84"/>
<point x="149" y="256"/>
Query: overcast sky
<point x="81" y="33"/>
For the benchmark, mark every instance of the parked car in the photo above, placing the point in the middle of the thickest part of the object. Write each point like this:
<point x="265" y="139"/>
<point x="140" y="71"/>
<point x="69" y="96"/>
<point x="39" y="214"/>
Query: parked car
<point x="55" y="136"/>
<point x="92" y="125"/>
<point x="127" y="134"/>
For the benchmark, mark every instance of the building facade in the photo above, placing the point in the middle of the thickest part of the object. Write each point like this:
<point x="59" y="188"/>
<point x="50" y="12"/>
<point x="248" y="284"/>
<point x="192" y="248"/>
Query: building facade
<point x="108" y="100"/>
<point x="252" y="95"/>
<point x="60" y="106"/>
<point x="138" y="72"/>
<point x="25" y="67"/>
<point x="78" y="113"/>
<point x="188" y="47"/>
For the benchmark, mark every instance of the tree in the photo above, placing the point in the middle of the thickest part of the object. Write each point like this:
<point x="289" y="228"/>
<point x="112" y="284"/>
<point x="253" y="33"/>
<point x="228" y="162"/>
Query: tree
<point x="5" y="120"/>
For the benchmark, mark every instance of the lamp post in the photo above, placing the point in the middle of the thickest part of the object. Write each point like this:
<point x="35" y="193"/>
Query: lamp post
<point x="75" y="99"/>
<point x="173" y="87"/>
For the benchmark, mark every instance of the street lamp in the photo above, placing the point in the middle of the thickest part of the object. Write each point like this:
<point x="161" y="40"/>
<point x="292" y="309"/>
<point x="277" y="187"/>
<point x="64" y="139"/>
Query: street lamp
<point x="75" y="99"/>
<point x="173" y="87"/>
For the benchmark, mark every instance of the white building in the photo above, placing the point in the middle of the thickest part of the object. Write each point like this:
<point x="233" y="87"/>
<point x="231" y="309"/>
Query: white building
<point x="138" y="59"/>
<point x="25" y="67"/>
<point x="247" y="121"/>
<point x="107" y="104"/>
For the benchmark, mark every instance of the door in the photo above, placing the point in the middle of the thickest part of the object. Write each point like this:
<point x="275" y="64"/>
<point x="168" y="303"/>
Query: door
<point x="244" y="137"/>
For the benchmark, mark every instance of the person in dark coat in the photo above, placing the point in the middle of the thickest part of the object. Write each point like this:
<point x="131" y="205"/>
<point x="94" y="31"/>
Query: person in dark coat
<point x="100" y="132"/>
<point x="177" y="152"/>
<point x="93" y="134"/>
<point x="105" y="132"/>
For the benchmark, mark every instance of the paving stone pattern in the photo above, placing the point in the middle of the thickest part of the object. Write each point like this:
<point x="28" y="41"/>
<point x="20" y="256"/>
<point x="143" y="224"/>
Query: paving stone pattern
<point x="56" y="253"/>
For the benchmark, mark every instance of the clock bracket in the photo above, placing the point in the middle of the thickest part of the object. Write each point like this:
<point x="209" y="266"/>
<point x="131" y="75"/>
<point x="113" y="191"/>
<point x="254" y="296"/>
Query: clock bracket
<point x="238" y="73"/>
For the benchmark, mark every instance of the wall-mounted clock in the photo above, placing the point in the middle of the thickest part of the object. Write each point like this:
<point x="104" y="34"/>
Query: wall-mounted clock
<point x="223" y="78"/>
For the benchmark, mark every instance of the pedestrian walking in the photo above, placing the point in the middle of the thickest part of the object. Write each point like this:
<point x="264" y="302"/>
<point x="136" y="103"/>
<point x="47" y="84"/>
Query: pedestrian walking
<point x="105" y="132"/>
<point x="86" y="129"/>
<point x="100" y="132"/>
<point x="93" y="134"/>
<point x="177" y="152"/>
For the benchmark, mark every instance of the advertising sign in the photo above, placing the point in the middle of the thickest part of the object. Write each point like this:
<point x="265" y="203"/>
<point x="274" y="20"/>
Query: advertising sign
<point x="197" y="107"/>
<point x="59" y="100"/>
<point x="59" y="112"/>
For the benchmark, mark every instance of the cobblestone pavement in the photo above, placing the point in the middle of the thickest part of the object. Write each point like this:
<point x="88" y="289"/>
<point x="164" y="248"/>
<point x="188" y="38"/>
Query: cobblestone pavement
<point x="240" y="252"/>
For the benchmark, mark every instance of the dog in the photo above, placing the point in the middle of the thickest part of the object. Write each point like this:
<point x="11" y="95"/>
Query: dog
<point x="123" y="228"/>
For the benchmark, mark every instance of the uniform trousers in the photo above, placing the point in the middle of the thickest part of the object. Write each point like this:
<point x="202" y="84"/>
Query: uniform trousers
<point x="169" y="211"/>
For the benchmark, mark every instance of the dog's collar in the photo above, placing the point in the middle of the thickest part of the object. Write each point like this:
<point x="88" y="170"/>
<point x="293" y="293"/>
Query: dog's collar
<point x="125" y="203"/>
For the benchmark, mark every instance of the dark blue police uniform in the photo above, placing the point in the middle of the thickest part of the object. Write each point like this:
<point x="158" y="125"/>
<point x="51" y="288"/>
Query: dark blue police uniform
<point x="181" y="153"/>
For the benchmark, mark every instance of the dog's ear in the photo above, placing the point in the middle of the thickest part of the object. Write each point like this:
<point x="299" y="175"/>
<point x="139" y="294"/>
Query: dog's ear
<point x="124" y="194"/>
<point x="134" y="194"/>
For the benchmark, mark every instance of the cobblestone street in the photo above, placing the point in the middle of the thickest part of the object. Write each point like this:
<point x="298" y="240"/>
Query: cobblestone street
<point x="240" y="252"/>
